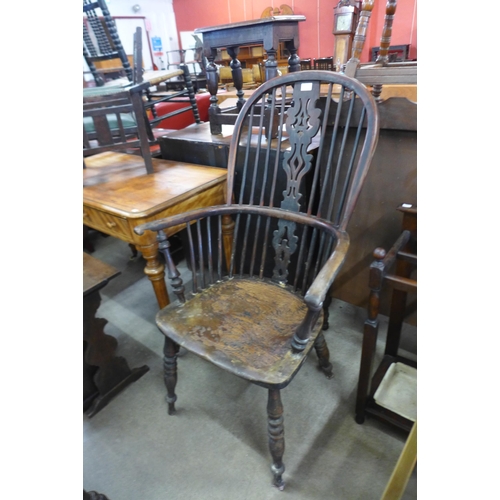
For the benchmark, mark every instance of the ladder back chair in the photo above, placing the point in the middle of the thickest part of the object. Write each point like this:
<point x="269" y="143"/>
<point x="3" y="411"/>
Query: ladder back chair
<point x="263" y="264"/>
<point x="101" y="41"/>
<point x="114" y="119"/>
<point x="183" y="100"/>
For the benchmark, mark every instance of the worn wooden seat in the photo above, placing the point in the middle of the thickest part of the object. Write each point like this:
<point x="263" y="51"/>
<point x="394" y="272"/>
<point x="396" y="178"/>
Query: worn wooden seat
<point x="255" y="343"/>
<point x="262" y="264"/>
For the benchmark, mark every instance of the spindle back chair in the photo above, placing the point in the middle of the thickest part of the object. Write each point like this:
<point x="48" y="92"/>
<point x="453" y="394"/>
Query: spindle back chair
<point x="101" y="41"/>
<point x="262" y="265"/>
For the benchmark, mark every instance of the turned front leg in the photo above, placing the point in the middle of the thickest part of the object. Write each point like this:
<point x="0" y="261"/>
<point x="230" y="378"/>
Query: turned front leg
<point x="170" y="373"/>
<point x="271" y="64"/>
<point x="276" y="435"/>
<point x="237" y="75"/>
<point x="155" y="271"/>
<point x="212" y="86"/>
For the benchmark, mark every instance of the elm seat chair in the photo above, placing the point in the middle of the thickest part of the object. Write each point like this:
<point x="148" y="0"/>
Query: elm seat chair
<point x="259" y="280"/>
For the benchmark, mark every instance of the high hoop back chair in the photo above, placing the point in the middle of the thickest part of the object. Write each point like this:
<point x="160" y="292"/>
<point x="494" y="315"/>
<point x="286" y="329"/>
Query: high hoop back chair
<point x="263" y="263"/>
<point x="100" y="40"/>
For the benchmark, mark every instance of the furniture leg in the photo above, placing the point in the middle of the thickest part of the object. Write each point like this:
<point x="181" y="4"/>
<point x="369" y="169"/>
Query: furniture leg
<point x="326" y="310"/>
<point x="191" y="93"/>
<point x="170" y="373"/>
<point x="271" y="64"/>
<point x="212" y="86"/>
<point x="323" y="355"/>
<point x="113" y="373"/>
<point x="237" y="75"/>
<point x="155" y="271"/>
<point x="294" y="59"/>
<point x="276" y="436"/>
<point x="370" y="333"/>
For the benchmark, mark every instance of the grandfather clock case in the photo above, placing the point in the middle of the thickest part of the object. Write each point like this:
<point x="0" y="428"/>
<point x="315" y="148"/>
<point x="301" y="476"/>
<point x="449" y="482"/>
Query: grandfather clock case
<point x="345" y="20"/>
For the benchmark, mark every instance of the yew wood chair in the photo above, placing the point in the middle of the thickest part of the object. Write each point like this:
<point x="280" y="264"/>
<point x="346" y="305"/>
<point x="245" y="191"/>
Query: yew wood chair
<point x="263" y="263"/>
<point x="101" y="41"/>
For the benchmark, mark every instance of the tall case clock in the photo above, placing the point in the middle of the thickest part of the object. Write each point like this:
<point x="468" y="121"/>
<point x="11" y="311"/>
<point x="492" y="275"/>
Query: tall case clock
<point x="345" y="20"/>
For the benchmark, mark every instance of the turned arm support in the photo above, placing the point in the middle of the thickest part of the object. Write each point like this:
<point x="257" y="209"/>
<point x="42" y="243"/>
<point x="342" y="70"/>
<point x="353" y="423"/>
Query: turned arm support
<point x="316" y="293"/>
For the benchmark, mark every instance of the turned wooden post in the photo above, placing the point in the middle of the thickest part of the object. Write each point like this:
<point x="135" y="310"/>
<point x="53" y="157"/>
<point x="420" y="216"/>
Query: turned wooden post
<point x="385" y="42"/>
<point x="227" y="236"/>
<point x="276" y="436"/>
<point x="359" y="38"/>
<point x="370" y="333"/>
<point x="237" y="75"/>
<point x="212" y="86"/>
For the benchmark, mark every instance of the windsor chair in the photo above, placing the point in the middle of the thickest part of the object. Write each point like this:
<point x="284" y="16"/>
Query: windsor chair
<point x="263" y="263"/>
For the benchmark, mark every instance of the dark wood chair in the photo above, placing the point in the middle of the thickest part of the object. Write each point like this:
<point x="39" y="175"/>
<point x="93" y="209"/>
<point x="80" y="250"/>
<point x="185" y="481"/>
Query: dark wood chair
<point x="396" y="270"/>
<point x="114" y="119"/>
<point x="160" y="107"/>
<point x="262" y="265"/>
<point x="305" y="64"/>
<point x="323" y="63"/>
<point x="101" y="41"/>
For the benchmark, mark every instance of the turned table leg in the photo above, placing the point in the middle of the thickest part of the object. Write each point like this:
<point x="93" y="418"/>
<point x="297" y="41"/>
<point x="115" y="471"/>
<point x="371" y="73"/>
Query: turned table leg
<point x="155" y="271"/>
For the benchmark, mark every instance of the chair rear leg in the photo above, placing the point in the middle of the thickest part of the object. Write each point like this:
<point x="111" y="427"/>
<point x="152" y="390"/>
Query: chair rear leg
<point x="323" y="355"/>
<point x="170" y="373"/>
<point x="276" y="434"/>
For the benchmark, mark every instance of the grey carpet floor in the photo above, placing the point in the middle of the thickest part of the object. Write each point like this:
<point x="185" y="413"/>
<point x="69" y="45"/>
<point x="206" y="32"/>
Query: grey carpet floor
<point x="215" y="447"/>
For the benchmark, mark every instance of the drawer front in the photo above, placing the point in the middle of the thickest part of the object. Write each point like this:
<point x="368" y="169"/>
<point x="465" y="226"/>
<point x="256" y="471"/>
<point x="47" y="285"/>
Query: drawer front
<point x="108" y="224"/>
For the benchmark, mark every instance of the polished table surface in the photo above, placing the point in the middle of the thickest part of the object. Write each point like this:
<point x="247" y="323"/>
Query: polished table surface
<point x="118" y="195"/>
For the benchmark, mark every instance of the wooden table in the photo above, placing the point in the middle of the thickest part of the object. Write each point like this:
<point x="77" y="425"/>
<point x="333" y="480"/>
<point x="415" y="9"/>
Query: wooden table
<point x="118" y="195"/>
<point x="104" y="375"/>
<point x="269" y="32"/>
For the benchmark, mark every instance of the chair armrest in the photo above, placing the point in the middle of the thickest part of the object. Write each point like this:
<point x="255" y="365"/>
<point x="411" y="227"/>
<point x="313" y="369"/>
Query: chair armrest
<point x="390" y="257"/>
<point x="316" y="294"/>
<point x="200" y="213"/>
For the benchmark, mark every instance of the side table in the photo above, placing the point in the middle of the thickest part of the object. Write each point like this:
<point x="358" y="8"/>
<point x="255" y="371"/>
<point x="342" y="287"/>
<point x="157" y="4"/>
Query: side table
<point x="269" y="31"/>
<point x="105" y="375"/>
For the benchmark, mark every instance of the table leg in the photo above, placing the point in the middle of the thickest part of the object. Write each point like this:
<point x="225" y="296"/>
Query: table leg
<point x="271" y="64"/>
<point x="212" y="86"/>
<point x="294" y="59"/>
<point x="155" y="271"/>
<point x="237" y="75"/>
<point x="113" y="373"/>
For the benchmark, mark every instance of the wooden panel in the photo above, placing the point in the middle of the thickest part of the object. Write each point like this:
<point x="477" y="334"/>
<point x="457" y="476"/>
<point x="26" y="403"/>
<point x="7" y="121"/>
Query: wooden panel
<point x="391" y="181"/>
<point x="109" y="224"/>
